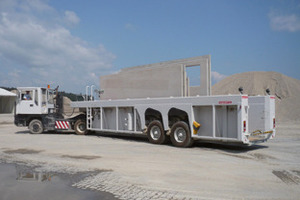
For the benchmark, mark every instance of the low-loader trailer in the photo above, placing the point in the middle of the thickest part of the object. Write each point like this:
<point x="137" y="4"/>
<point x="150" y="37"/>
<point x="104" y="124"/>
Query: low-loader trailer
<point x="239" y="118"/>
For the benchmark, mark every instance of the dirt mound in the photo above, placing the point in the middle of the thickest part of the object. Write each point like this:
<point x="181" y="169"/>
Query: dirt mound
<point x="286" y="90"/>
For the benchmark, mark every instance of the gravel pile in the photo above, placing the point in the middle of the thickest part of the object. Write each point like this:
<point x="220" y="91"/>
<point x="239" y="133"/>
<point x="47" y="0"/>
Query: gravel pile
<point x="286" y="90"/>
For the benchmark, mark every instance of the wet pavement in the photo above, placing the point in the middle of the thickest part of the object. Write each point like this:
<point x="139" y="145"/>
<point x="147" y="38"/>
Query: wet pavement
<point x="133" y="169"/>
<point x="26" y="183"/>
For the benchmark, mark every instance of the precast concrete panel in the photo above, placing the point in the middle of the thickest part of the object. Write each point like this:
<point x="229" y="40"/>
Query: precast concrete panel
<point x="163" y="79"/>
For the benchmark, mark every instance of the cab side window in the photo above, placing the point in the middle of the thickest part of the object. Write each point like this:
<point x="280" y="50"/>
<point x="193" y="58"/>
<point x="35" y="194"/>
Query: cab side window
<point x="44" y="97"/>
<point x="26" y="95"/>
<point x="36" y="97"/>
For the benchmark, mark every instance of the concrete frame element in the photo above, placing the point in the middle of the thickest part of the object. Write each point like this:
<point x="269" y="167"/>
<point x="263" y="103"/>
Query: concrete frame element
<point x="162" y="79"/>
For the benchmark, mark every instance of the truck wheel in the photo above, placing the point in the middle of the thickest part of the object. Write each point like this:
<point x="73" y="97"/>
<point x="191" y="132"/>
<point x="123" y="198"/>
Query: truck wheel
<point x="36" y="126"/>
<point x="80" y="127"/>
<point x="156" y="133"/>
<point x="180" y="135"/>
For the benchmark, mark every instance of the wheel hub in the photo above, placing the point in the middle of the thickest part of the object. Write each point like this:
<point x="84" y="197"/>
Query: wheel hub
<point x="36" y="127"/>
<point x="81" y="127"/>
<point x="180" y="135"/>
<point x="155" y="133"/>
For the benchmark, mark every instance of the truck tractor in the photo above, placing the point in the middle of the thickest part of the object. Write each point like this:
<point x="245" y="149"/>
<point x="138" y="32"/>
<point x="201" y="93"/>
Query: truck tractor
<point x="42" y="109"/>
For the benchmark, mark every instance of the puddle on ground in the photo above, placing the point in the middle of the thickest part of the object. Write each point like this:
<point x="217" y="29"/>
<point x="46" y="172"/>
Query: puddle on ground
<point x="297" y="172"/>
<point x="261" y="156"/>
<point x="22" y="182"/>
<point x="288" y="177"/>
<point x="81" y="157"/>
<point x="22" y="151"/>
<point x="234" y="155"/>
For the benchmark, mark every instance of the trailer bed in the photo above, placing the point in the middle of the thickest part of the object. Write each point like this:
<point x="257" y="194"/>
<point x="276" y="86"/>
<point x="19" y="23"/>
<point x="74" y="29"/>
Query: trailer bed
<point x="222" y="118"/>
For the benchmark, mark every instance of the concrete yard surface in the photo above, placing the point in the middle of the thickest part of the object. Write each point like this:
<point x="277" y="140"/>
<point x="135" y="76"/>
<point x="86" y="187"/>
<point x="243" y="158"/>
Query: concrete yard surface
<point x="131" y="168"/>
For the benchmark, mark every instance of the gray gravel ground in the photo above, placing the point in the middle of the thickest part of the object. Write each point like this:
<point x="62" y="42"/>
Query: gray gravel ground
<point x="131" y="168"/>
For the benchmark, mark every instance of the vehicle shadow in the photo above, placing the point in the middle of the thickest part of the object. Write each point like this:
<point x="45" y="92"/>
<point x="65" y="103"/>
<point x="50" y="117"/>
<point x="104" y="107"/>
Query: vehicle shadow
<point x="229" y="147"/>
<point x="46" y="133"/>
<point x="23" y="132"/>
<point x="208" y="146"/>
<point x="124" y="136"/>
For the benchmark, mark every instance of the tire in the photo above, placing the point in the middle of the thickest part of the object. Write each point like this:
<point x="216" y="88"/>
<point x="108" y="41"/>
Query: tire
<point x="156" y="133"/>
<point x="36" y="127"/>
<point x="80" y="127"/>
<point x="180" y="135"/>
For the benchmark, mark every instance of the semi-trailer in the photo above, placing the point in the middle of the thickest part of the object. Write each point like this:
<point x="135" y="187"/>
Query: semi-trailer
<point x="238" y="118"/>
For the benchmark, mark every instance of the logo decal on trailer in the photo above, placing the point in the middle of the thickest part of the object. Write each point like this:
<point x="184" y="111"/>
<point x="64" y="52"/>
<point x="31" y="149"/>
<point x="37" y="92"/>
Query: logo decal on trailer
<point x="62" y="125"/>
<point x="225" y="102"/>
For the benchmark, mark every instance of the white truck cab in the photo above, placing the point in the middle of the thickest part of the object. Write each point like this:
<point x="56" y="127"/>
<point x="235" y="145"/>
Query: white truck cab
<point x="34" y="100"/>
<point x="38" y="108"/>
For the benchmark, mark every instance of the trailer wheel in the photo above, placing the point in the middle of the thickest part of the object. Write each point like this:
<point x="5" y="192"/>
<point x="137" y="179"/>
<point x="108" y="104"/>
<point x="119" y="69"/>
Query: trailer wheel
<point x="156" y="133"/>
<point x="180" y="135"/>
<point x="36" y="126"/>
<point x="80" y="127"/>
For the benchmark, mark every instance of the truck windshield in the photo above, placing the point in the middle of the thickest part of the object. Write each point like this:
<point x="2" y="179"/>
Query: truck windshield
<point x="50" y="96"/>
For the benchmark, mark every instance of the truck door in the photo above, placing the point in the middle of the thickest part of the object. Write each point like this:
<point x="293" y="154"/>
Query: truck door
<point x="28" y="102"/>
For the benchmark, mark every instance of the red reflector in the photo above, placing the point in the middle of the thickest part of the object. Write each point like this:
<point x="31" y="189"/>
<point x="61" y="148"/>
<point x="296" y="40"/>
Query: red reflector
<point x="273" y="122"/>
<point x="244" y="123"/>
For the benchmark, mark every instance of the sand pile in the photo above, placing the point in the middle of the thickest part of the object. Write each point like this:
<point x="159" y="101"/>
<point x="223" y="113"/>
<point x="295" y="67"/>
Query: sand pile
<point x="286" y="90"/>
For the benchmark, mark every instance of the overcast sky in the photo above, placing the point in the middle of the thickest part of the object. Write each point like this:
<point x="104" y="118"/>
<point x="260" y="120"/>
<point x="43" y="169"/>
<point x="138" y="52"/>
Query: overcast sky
<point x="72" y="42"/>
